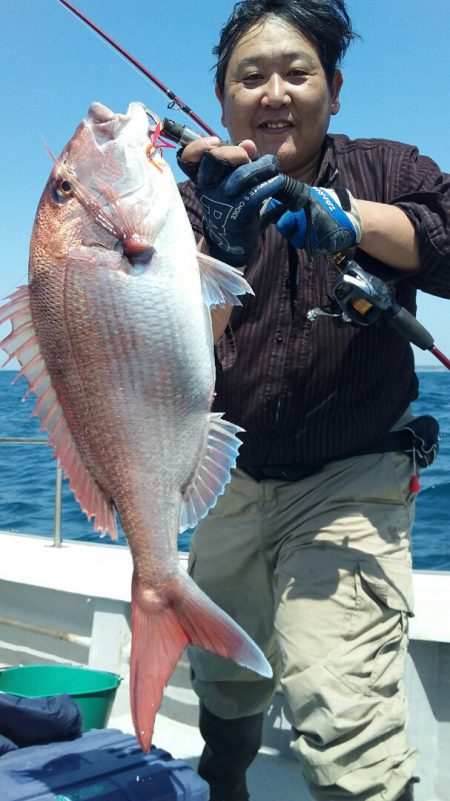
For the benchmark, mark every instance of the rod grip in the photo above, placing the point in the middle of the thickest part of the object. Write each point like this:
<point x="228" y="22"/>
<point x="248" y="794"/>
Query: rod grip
<point x="179" y="133"/>
<point x="408" y="326"/>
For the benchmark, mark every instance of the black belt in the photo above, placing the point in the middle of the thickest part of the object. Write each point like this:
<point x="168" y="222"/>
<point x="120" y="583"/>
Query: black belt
<point x="283" y="472"/>
<point x="420" y="436"/>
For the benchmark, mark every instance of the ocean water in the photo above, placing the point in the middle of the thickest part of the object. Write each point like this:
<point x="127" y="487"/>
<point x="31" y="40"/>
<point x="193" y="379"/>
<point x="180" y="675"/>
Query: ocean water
<point x="27" y="477"/>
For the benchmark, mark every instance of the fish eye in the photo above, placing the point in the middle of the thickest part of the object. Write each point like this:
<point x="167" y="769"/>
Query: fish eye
<point x="61" y="190"/>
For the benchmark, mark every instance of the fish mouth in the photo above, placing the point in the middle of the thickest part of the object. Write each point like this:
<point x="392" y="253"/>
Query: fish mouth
<point x="106" y="124"/>
<point x="100" y="113"/>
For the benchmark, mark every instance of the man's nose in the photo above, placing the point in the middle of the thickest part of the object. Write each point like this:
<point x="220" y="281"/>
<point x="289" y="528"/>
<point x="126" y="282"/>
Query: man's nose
<point x="275" y="92"/>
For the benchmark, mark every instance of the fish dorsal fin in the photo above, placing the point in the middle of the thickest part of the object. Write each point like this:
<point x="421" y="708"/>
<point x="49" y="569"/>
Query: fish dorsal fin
<point x="213" y="471"/>
<point x="23" y="345"/>
<point x="221" y="284"/>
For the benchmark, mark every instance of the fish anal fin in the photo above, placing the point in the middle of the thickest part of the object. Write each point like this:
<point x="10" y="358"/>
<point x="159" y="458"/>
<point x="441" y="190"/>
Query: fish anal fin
<point x="23" y="344"/>
<point x="221" y="283"/>
<point x="213" y="471"/>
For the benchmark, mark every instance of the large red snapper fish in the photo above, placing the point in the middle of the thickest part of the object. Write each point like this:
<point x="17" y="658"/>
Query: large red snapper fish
<point x="113" y="334"/>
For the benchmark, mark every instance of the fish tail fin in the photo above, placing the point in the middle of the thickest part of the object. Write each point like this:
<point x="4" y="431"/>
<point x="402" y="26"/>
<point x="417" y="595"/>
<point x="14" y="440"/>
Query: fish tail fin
<point x="160" y="633"/>
<point x="157" y="642"/>
<point x="209" y="627"/>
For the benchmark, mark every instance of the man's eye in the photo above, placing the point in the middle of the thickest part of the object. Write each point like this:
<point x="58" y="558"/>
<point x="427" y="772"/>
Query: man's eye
<point x="296" y="72"/>
<point x="253" y="77"/>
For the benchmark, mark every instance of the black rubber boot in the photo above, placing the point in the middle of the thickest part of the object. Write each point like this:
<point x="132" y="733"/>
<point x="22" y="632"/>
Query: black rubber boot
<point x="230" y="748"/>
<point x="408" y="792"/>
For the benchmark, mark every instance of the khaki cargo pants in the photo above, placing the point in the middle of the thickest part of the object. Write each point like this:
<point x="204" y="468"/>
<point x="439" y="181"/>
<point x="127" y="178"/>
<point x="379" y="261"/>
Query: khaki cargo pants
<point x="318" y="572"/>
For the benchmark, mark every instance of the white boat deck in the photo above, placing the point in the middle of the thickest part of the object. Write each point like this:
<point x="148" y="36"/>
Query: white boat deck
<point x="71" y="605"/>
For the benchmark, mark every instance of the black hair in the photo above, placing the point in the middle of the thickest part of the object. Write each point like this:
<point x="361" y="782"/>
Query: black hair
<point x="325" y="23"/>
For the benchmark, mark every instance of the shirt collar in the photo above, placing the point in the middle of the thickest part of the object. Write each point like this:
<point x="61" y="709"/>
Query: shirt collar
<point x="327" y="172"/>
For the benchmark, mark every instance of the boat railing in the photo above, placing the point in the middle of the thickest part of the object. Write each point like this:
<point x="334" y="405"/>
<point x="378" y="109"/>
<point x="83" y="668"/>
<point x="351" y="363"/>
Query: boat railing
<point x="57" y="537"/>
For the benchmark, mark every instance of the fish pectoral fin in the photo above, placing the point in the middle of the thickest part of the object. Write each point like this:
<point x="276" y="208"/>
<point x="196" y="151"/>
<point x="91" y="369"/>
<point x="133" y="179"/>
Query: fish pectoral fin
<point x="22" y="344"/>
<point x="221" y="283"/>
<point x="213" y="471"/>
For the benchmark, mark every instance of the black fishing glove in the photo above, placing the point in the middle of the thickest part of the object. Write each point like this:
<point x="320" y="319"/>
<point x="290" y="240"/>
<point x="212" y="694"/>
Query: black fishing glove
<point x="231" y="199"/>
<point x="328" y="222"/>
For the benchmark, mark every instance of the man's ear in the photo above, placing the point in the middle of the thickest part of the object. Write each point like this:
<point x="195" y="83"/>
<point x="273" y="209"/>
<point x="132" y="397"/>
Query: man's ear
<point x="335" y="88"/>
<point x="220" y="99"/>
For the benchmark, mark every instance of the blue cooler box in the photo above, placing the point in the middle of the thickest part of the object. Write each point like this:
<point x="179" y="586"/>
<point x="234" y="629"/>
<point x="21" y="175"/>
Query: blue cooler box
<point x="101" y="765"/>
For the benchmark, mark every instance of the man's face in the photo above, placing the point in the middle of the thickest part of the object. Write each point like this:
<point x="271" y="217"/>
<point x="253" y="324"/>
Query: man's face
<point x="276" y="93"/>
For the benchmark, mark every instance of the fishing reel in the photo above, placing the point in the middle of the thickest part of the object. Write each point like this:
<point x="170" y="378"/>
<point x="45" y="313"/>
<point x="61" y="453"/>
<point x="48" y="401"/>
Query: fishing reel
<point x="358" y="298"/>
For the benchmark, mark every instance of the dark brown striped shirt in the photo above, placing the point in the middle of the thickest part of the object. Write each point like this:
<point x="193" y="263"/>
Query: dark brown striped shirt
<point x="312" y="391"/>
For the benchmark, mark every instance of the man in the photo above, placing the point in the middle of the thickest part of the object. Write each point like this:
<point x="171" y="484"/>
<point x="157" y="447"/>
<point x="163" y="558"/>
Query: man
<point x="309" y="548"/>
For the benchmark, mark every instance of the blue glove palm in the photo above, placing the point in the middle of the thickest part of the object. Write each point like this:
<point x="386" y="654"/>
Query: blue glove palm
<point x="231" y="199"/>
<point x="328" y="223"/>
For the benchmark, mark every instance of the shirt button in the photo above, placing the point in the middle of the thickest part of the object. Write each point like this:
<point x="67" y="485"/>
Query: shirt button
<point x="278" y="338"/>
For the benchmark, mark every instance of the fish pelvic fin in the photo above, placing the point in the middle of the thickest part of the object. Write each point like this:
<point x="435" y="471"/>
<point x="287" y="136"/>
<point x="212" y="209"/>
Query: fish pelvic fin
<point x="213" y="471"/>
<point x="221" y="283"/>
<point x="161" y="630"/>
<point x="22" y="343"/>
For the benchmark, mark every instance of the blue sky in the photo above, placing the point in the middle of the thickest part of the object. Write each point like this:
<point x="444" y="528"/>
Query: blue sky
<point x="52" y="67"/>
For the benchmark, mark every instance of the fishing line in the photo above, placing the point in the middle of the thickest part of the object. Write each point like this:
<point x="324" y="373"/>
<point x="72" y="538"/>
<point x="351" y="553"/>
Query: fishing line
<point x="176" y="102"/>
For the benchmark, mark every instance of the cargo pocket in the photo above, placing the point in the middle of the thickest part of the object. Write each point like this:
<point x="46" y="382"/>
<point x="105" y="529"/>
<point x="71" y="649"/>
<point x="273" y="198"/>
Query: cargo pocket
<point x="371" y="660"/>
<point x="390" y="580"/>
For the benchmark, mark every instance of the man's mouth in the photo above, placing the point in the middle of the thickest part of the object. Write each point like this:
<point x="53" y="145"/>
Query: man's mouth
<point x="275" y="125"/>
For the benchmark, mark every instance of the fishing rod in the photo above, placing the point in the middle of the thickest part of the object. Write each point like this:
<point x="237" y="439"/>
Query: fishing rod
<point x="359" y="297"/>
<point x="173" y="130"/>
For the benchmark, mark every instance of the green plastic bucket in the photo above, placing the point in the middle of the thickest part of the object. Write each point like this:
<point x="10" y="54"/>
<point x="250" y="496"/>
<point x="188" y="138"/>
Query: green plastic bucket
<point x="93" y="690"/>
